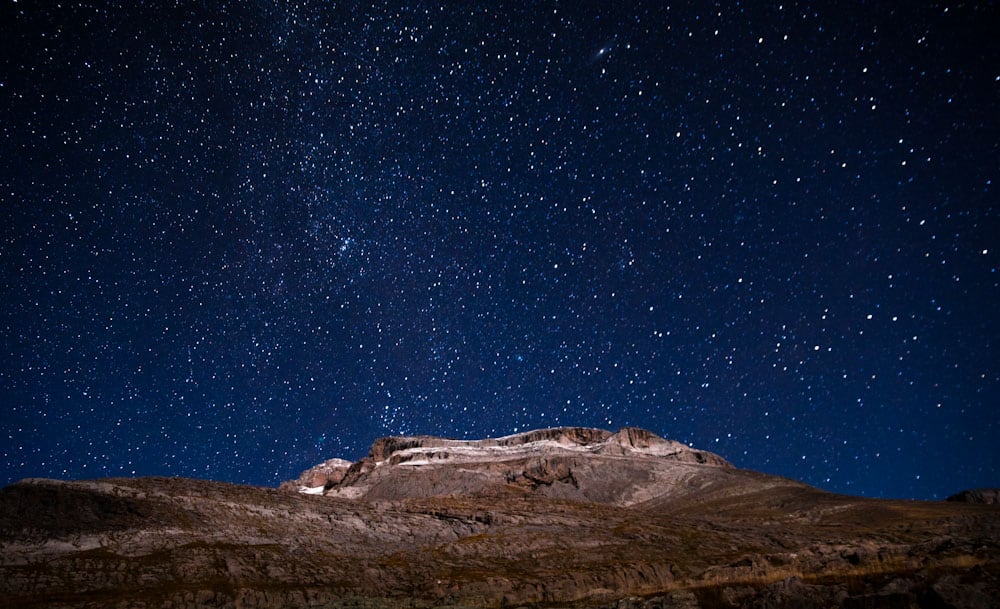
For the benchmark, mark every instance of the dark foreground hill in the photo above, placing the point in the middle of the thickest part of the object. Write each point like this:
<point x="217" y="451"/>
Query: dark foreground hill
<point x="555" y="518"/>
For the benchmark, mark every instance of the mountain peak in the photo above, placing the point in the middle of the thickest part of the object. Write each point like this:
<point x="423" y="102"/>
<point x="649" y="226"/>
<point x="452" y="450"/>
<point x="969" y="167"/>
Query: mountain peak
<point x="620" y="467"/>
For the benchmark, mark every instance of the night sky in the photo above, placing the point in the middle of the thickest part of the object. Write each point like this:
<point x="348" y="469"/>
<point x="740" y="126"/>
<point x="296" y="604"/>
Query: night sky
<point x="240" y="238"/>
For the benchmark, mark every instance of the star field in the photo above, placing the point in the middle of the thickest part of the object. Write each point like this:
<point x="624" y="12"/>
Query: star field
<point x="240" y="238"/>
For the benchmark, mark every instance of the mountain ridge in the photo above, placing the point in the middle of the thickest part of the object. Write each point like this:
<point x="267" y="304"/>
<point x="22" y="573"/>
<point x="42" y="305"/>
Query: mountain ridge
<point x="534" y="457"/>
<point x="549" y="518"/>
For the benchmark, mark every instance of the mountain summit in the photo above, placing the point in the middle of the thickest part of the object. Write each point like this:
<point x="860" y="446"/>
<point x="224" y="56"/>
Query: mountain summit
<point x="576" y="463"/>
<point x="564" y="517"/>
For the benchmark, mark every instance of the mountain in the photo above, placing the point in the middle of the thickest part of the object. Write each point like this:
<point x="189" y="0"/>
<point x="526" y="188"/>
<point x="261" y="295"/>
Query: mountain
<point x="573" y="463"/>
<point x="566" y="517"/>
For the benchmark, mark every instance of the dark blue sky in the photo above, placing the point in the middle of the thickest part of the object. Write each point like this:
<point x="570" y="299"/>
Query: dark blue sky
<point x="241" y="238"/>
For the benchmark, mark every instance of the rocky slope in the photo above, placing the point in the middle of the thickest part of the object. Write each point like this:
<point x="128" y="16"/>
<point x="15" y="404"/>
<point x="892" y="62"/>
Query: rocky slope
<point x="990" y="496"/>
<point x="554" y="518"/>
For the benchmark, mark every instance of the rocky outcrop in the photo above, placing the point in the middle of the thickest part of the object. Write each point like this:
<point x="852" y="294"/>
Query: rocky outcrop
<point x="984" y="496"/>
<point x="554" y="518"/>
<point x="628" y="441"/>
<point x="322" y="476"/>
<point x="543" y="473"/>
<point x="629" y="466"/>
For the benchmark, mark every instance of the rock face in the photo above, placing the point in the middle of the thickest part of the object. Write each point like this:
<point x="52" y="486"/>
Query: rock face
<point x="318" y="478"/>
<point x="582" y="464"/>
<point x="552" y="518"/>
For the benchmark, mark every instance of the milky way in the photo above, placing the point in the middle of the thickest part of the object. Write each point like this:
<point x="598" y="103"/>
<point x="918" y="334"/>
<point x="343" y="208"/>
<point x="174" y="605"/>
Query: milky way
<point x="241" y="238"/>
